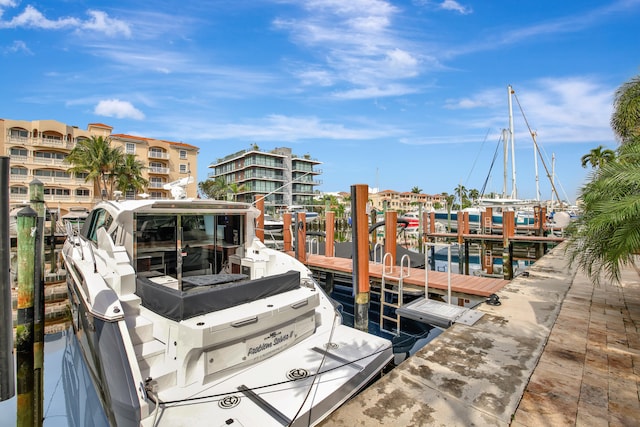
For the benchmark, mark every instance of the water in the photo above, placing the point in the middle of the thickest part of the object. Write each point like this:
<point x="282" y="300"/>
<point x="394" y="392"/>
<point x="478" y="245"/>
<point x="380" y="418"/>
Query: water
<point x="70" y="399"/>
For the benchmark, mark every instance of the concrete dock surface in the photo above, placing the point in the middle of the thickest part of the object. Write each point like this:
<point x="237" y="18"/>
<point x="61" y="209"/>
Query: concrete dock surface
<point x="558" y="351"/>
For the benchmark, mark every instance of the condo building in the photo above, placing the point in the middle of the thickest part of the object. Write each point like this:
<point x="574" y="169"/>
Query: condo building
<point x="37" y="150"/>
<point x="283" y="178"/>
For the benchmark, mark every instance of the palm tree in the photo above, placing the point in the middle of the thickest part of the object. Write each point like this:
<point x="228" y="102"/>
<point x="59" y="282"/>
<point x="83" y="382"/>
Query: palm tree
<point x="474" y="194"/>
<point x="597" y="157"/>
<point x="449" y="199"/>
<point x="214" y="189"/>
<point x="625" y="120"/>
<point x="96" y="157"/>
<point x="416" y="190"/>
<point x="234" y="189"/>
<point x="129" y="175"/>
<point x="607" y="235"/>
<point x="461" y="192"/>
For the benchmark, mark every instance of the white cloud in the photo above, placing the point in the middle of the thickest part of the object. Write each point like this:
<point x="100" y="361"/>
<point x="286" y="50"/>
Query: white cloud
<point x="118" y="109"/>
<point x="455" y="6"/>
<point x="355" y="44"/>
<point x="102" y="23"/>
<point x="559" y="110"/>
<point x="18" y="46"/>
<point x="98" y="22"/>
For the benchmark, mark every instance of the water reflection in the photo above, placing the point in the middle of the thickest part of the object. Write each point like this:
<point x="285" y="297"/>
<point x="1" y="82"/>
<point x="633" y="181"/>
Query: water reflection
<point x="70" y="399"/>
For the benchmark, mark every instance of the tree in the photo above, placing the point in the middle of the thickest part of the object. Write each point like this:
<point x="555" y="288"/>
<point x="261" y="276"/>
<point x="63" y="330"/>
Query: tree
<point x="129" y="175"/>
<point x="606" y="236"/>
<point x="474" y="194"/>
<point x="597" y="157"/>
<point x="213" y="189"/>
<point x="416" y="190"/>
<point x="625" y="120"/>
<point x="96" y="157"/>
<point x="234" y="189"/>
<point x="461" y="193"/>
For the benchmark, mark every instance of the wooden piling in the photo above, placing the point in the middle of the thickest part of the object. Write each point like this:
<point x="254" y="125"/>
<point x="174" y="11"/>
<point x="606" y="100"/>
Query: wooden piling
<point x="432" y="222"/>
<point x="36" y="195"/>
<point x="287" y="236"/>
<point x="330" y="232"/>
<point x="508" y="231"/>
<point x="259" y="201"/>
<point x="301" y="237"/>
<point x="26" y="238"/>
<point x="390" y="239"/>
<point x="360" y="239"/>
<point x="7" y="376"/>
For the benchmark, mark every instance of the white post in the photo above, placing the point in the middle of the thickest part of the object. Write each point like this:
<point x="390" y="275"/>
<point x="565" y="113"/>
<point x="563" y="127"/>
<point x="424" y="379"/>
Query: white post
<point x="449" y="274"/>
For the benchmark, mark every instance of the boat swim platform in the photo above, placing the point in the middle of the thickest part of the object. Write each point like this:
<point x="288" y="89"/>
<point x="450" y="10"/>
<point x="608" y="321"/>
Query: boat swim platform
<point x="558" y="351"/>
<point x="461" y="285"/>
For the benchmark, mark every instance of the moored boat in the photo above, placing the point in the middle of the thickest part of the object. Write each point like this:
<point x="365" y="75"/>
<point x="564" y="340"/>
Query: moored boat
<point x="185" y="318"/>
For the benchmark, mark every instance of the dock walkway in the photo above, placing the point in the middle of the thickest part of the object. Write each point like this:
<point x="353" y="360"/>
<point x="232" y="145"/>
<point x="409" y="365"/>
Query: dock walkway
<point x="559" y="351"/>
<point x="460" y="284"/>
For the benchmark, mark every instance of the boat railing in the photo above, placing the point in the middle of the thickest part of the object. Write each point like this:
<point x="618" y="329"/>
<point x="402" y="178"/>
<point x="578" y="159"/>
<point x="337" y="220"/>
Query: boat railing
<point x="310" y="245"/>
<point x="87" y="244"/>
<point x="426" y="269"/>
<point x="378" y="248"/>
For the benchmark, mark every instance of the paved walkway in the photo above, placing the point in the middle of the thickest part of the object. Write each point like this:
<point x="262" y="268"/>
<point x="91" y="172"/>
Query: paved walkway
<point x="589" y="372"/>
<point x="559" y="351"/>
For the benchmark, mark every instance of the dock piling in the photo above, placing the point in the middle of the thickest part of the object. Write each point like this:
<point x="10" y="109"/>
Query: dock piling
<point x="7" y="377"/>
<point x="359" y="196"/>
<point x="259" y="201"/>
<point x="26" y="226"/>
<point x="36" y="195"/>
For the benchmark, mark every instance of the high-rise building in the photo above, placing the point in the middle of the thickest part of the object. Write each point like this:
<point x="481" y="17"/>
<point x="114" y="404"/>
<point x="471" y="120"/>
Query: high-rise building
<point x="285" y="178"/>
<point x="38" y="148"/>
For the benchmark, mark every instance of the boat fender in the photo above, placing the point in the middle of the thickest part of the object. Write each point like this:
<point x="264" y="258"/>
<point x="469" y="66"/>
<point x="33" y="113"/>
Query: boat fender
<point x="494" y="300"/>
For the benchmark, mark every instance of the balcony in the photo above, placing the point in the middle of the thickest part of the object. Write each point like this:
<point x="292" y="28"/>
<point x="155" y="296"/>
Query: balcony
<point x="158" y="155"/>
<point x="157" y="184"/>
<point x="53" y="142"/>
<point x="158" y="170"/>
<point x="20" y="178"/>
<point x="55" y="179"/>
<point x="50" y="162"/>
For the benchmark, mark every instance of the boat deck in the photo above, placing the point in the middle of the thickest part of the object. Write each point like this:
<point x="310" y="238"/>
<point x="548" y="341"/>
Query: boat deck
<point x="460" y="284"/>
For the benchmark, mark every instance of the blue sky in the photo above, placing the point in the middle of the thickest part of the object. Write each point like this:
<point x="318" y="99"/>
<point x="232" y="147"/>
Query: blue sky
<point x="393" y="94"/>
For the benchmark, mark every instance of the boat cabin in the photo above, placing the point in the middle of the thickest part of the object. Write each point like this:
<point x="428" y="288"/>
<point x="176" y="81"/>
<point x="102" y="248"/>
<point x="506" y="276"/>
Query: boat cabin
<point x="183" y="245"/>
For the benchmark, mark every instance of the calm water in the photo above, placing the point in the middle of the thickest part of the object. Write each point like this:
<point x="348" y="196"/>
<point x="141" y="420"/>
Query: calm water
<point x="70" y="399"/>
<point x="69" y="396"/>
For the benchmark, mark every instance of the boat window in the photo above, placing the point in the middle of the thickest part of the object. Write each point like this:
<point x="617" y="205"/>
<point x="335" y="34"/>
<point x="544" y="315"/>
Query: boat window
<point x="173" y="246"/>
<point x="98" y="218"/>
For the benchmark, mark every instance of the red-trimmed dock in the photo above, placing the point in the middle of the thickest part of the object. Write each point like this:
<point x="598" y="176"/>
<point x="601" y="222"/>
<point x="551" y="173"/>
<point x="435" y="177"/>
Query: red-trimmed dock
<point x="460" y="284"/>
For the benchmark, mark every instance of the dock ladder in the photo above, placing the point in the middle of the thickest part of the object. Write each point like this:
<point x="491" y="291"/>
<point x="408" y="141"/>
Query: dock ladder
<point x="389" y="290"/>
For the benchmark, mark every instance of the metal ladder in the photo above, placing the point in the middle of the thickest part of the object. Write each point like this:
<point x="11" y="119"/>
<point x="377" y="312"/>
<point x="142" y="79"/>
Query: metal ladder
<point x="392" y="289"/>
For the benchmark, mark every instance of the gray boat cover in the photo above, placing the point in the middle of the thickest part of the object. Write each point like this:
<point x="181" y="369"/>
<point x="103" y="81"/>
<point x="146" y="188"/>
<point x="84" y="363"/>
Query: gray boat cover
<point x="207" y="294"/>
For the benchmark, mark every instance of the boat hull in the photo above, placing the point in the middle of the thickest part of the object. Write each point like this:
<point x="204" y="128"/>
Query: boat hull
<point x="103" y="351"/>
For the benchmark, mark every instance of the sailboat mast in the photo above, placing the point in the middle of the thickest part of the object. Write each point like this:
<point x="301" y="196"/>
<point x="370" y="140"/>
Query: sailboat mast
<point x="514" y="191"/>
<point x="505" y="143"/>
<point x="535" y="162"/>
<point x="553" y="177"/>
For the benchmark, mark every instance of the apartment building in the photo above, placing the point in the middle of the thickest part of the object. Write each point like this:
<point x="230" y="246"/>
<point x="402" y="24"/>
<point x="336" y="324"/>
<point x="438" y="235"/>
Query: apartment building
<point x="37" y="149"/>
<point x="405" y="201"/>
<point x="285" y="178"/>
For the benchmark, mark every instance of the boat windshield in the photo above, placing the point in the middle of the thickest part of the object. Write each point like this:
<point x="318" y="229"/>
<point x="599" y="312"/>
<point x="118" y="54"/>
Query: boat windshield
<point x="168" y="247"/>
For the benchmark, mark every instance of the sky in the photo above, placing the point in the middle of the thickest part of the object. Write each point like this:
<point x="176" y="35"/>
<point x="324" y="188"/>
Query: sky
<point x="392" y="94"/>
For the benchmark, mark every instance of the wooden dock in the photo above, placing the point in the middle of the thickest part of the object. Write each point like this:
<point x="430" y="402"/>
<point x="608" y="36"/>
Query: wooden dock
<point x="461" y="285"/>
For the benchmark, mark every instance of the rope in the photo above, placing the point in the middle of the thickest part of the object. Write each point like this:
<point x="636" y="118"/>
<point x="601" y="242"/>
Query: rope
<point x="218" y="395"/>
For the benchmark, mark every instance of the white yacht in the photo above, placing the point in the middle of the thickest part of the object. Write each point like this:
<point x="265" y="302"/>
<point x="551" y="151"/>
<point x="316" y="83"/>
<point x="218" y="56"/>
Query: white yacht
<point x="184" y="318"/>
